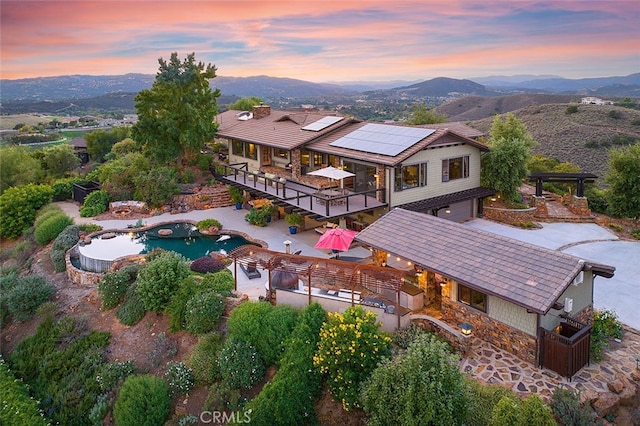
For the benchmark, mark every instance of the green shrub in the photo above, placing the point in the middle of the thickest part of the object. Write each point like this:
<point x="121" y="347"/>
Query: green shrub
<point x="203" y="359"/>
<point x="536" y="412"/>
<point x="483" y="399"/>
<point x="95" y="203"/>
<point x="179" y="377"/>
<point x="288" y="399"/>
<point x="28" y="293"/>
<point x="264" y="326"/>
<point x="240" y="364"/>
<point x="203" y="311"/>
<point x="403" y="337"/>
<point x="99" y="410"/>
<point x="112" y="288"/>
<point x="572" y="109"/>
<point x="223" y="397"/>
<point x="207" y="264"/>
<point x="132" y="309"/>
<point x="221" y="282"/>
<point x="111" y="374"/>
<point x="605" y="326"/>
<point x="156" y="186"/>
<point x="63" y="242"/>
<point x="187" y="176"/>
<point x="51" y="228"/>
<point x="8" y="278"/>
<point x="565" y="404"/>
<point x="160" y="278"/>
<point x="351" y="345"/>
<point x="205" y="224"/>
<point x="60" y="363"/>
<point x="17" y="407"/>
<point x="89" y="227"/>
<point x="45" y="212"/>
<point x="142" y="401"/>
<point x="63" y="189"/>
<point x="19" y="205"/>
<point x="425" y="384"/>
<point x="636" y="234"/>
<point x="506" y="412"/>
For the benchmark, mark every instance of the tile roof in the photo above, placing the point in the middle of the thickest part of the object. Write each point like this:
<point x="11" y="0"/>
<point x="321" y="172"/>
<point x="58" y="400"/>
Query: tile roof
<point x="524" y="274"/>
<point x="440" y="137"/>
<point x="280" y="129"/>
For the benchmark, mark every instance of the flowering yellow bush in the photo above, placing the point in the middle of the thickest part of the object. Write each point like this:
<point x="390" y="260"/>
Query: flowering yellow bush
<point x="350" y="347"/>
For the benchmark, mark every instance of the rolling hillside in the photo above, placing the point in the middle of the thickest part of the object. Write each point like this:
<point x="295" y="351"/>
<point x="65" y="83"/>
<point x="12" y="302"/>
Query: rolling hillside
<point x="566" y="137"/>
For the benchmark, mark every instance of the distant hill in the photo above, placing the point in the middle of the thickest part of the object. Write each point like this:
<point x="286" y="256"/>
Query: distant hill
<point x="614" y="86"/>
<point x="478" y="107"/>
<point x="85" y="86"/>
<point x="443" y="87"/>
<point x="583" y="138"/>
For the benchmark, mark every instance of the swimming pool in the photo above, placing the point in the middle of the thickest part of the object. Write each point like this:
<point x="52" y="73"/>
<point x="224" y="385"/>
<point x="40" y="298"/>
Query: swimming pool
<point x="180" y="237"/>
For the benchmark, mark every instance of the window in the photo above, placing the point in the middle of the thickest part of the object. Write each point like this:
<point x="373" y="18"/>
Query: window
<point x="473" y="298"/>
<point x="244" y="149"/>
<point x="237" y="148"/>
<point x="281" y="153"/>
<point x="413" y="176"/>
<point x="455" y="168"/>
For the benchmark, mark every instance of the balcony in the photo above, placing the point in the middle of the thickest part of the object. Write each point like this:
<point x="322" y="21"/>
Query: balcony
<point x="310" y="197"/>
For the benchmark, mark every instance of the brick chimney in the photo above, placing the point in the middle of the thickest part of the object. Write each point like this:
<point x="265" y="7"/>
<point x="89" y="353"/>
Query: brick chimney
<point x="261" y="111"/>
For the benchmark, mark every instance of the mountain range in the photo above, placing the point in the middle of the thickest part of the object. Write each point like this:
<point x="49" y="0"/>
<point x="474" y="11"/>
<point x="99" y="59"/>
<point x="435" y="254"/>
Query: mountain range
<point x="74" y="87"/>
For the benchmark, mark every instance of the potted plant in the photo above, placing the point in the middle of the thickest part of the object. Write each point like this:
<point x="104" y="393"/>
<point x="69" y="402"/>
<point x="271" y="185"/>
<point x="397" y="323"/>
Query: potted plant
<point x="268" y="210"/>
<point x="293" y="220"/>
<point x="237" y="196"/>
<point x="256" y="217"/>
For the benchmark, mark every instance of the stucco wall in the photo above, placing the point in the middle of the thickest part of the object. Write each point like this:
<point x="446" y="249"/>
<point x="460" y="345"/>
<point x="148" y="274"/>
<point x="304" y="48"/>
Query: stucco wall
<point x="582" y="296"/>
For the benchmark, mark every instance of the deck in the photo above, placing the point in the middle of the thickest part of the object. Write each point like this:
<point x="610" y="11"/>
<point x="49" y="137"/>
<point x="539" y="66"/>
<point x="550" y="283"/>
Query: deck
<point x="319" y="202"/>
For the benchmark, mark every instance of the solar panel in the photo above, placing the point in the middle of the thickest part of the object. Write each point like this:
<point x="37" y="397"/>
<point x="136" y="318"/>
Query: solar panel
<point x="382" y="139"/>
<point x="323" y="123"/>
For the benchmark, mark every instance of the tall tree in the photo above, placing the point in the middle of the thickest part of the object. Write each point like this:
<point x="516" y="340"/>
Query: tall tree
<point x="505" y="165"/>
<point x="624" y="181"/>
<point x="60" y="160"/>
<point x="422" y="115"/>
<point x="18" y="167"/>
<point x="176" y="116"/>
<point x="100" y="142"/>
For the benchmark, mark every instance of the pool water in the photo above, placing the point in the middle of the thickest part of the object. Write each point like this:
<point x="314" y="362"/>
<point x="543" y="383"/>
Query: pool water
<point x="184" y="239"/>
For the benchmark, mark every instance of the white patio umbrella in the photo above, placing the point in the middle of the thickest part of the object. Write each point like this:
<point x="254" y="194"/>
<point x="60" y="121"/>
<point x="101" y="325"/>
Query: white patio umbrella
<point x="331" y="173"/>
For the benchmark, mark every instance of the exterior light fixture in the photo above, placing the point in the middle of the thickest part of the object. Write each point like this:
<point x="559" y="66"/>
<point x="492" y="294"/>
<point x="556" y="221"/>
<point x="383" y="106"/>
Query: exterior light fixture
<point x="287" y="246"/>
<point x="466" y="328"/>
<point x="447" y="211"/>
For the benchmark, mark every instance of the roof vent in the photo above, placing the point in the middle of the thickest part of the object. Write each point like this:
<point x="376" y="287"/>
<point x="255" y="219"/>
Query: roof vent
<point x="244" y="116"/>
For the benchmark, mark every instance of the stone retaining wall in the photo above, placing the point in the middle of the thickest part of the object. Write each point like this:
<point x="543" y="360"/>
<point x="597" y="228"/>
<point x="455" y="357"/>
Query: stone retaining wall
<point x="514" y="217"/>
<point x="202" y="198"/>
<point x="460" y="343"/>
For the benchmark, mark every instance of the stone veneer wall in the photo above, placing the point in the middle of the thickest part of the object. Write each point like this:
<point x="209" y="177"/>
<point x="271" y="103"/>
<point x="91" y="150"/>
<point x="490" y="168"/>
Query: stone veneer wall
<point x="460" y="343"/>
<point x="579" y="206"/>
<point x="485" y="328"/>
<point x="510" y="216"/>
<point x="585" y="316"/>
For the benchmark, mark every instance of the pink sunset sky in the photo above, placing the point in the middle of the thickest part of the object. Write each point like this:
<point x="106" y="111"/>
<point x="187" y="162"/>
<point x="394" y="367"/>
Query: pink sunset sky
<point x="324" y="40"/>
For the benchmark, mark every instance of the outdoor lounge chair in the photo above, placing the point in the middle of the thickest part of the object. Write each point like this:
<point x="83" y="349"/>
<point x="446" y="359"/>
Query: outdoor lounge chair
<point x="250" y="270"/>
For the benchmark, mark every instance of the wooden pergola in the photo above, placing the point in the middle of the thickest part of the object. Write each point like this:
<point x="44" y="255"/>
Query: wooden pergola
<point x="578" y="178"/>
<point x="326" y="274"/>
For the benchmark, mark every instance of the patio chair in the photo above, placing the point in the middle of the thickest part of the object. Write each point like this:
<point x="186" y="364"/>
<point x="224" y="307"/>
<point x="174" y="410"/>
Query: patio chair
<point x="297" y="252"/>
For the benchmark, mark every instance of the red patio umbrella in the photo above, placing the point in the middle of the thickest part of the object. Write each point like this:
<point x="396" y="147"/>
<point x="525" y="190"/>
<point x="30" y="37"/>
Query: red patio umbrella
<point x="336" y="239"/>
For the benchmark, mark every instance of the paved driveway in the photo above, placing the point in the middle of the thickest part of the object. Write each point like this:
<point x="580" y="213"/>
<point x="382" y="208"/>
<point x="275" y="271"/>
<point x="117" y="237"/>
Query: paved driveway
<point x="593" y="242"/>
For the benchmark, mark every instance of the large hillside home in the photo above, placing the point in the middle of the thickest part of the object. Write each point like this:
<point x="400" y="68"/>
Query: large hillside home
<point x="531" y="301"/>
<point x="432" y="169"/>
